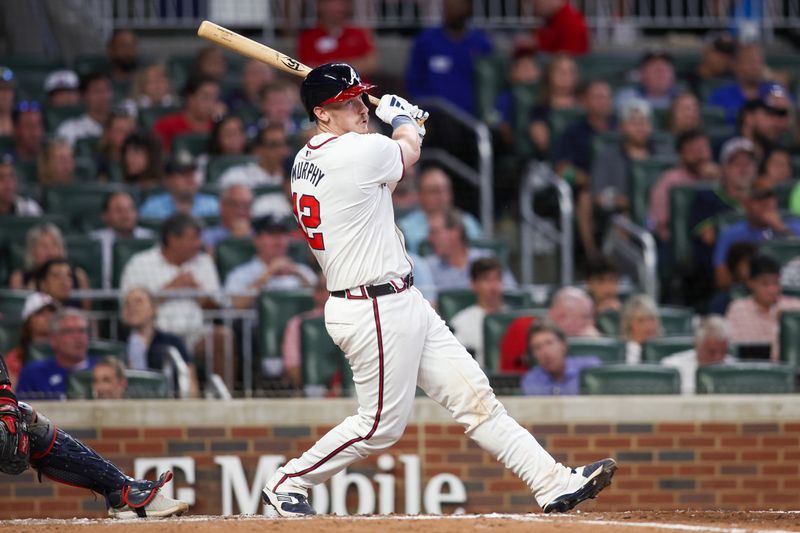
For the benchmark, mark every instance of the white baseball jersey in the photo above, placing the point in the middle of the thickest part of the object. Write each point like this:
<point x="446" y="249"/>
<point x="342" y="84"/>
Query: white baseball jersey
<point x="342" y="201"/>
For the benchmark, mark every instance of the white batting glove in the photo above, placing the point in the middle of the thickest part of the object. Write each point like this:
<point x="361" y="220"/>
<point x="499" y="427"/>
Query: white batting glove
<point x="395" y="110"/>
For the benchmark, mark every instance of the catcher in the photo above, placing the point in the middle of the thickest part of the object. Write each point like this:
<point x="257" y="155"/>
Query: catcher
<point x="28" y="438"/>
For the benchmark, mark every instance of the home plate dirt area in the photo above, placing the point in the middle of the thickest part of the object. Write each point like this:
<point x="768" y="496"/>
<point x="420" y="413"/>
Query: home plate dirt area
<point x="633" y="522"/>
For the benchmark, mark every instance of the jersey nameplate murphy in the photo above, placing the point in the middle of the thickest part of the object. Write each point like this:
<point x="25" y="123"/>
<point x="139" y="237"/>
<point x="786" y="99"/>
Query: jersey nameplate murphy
<point x="306" y="170"/>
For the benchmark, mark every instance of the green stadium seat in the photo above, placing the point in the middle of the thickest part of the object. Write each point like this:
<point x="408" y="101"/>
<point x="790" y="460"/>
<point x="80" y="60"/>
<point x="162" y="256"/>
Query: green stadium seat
<point x="607" y="349"/>
<point x="495" y="326"/>
<point x="523" y="99"/>
<point x="122" y="251"/>
<point x="108" y="347"/>
<point x="630" y="379"/>
<point x="675" y="320"/>
<point x="746" y="378"/>
<point x="219" y="164"/>
<point x="489" y="73"/>
<point x="194" y="143"/>
<point x="644" y="175"/>
<point x="11" y="303"/>
<point x="150" y="115"/>
<point x="87" y="147"/>
<point x="87" y="63"/>
<point x="15" y="228"/>
<point x="498" y="248"/>
<point x="321" y="358"/>
<point x="85" y="170"/>
<point x="784" y="250"/>
<point x="231" y="253"/>
<point x="249" y="114"/>
<point x="680" y="202"/>
<point x="141" y="384"/>
<point x="560" y="120"/>
<point x="608" y="322"/>
<point x="178" y="69"/>
<point x="38" y="351"/>
<point x="27" y="172"/>
<point x="80" y="203"/>
<point x="790" y="338"/>
<point x="87" y="253"/>
<point x="784" y="192"/>
<point x="654" y="350"/>
<point x="54" y="116"/>
<point x="275" y="308"/>
<point x="6" y="144"/>
<point x="452" y="301"/>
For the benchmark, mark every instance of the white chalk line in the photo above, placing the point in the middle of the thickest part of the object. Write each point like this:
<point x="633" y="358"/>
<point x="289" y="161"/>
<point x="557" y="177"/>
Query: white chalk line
<point x="573" y="519"/>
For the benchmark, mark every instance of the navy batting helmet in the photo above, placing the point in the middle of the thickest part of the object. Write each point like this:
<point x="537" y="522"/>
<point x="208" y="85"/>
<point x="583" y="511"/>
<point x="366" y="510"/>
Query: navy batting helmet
<point x="329" y="83"/>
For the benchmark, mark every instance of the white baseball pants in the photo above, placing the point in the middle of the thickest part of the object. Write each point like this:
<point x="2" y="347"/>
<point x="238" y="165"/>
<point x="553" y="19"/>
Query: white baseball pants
<point x="394" y="343"/>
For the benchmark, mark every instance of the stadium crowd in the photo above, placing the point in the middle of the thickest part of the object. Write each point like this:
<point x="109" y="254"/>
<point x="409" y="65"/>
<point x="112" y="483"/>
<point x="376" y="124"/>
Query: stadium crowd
<point x="157" y="191"/>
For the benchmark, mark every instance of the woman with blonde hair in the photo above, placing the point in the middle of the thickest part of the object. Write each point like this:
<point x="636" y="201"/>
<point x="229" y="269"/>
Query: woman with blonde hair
<point x="639" y="321"/>
<point x="43" y="243"/>
<point x="152" y="88"/>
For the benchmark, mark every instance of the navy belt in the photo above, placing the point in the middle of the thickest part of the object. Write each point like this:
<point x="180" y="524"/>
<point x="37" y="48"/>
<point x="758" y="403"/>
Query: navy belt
<point x="373" y="291"/>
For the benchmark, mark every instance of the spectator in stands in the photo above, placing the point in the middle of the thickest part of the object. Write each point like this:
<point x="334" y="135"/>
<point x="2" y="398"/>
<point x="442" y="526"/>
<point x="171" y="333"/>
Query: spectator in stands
<point x="200" y="101"/>
<point x="177" y="262"/>
<point x="291" y="348"/>
<point x="271" y="268"/>
<point x="751" y="82"/>
<point x="555" y="373"/>
<point x="56" y="278"/>
<point x="405" y="198"/>
<point x="182" y="194"/>
<point x="7" y="87"/>
<point x="435" y="197"/>
<point x="43" y="243"/>
<point x="28" y="131"/>
<point x="696" y="165"/>
<point x="36" y="314"/>
<point x="334" y="39"/>
<point x="765" y="120"/>
<point x="441" y="60"/>
<point x="119" y="222"/>
<point x="572" y="311"/>
<point x="755" y="318"/>
<point x="69" y="340"/>
<point x="277" y="105"/>
<point x="11" y="202"/>
<point x="62" y="88"/>
<point x="255" y="76"/>
<point x="523" y="71"/>
<point x="452" y="255"/>
<point x="712" y="341"/>
<point x="209" y="62"/>
<point x="227" y="139"/>
<point x="737" y="261"/>
<point x="790" y="275"/>
<point x="638" y="322"/>
<point x="656" y="82"/>
<point x="486" y="277"/>
<point x="763" y="221"/>
<point x="147" y="344"/>
<point x="684" y="114"/>
<point x="235" y="204"/>
<point x="152" y="88"/>
<point x="564" y="28"/>
<point x="119" y="126"/>
<point x="716" y="64"/>
<point x="108" y="379"/>
<point x="122" y="51"/>
<point x="141" y="161"/>
<point x="776" y="167"/>
<point x="271" y="148"/>
<point x="602" y="284"/>
<point x="559" y="91"/>
<point x="56" y="163"/>
<point x="97" y="97"/>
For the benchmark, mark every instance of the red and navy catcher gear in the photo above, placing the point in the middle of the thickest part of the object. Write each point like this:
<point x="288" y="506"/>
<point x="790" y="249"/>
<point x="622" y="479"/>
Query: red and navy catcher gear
<point x="14" y="441"/>
<point x="330" y="83"/>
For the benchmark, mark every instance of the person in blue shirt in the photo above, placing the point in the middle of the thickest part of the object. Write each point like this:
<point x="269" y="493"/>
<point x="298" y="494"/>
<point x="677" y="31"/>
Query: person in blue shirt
<point x="181" y="195"/>
<point x="555" y="373"/>
<point x="441" y="62"/>
<point x="750" y="84"/>
<point x="69" y="339"/>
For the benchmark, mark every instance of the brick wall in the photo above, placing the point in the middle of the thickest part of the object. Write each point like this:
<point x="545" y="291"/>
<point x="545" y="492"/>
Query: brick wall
<point x="664" y="465"/>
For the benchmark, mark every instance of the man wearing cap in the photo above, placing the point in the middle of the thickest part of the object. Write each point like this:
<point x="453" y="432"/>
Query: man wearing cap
<point x="11" y="203"/>
<point x="236" y="202"/>
<point x="7" y="87"/>
<point x="182" y="194"/>
<point x="656" y="81"/>
<point x="61" y="87"/>
<point x="716" y="64"/>
<point x="271" y="268"/>
<point x="97" y="97"/>
<point x="28" y="131"/>
<point x="36" y="314"/>
<point x="765" y="120"/>
<point x="762" y="222"/>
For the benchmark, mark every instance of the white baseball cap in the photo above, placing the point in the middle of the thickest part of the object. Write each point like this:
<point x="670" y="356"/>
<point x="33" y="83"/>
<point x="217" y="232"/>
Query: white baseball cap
<point x="35" y="303"/>
<point x="61" y="80"/>
<point x="635" y="106"/>
<point x="734" y="146"/>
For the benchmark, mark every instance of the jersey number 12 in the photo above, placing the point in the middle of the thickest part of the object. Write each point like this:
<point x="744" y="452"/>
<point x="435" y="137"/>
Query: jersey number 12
<point x="306" y="211"/>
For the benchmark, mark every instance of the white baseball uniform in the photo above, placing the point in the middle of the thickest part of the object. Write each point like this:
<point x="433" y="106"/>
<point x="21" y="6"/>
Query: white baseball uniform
<point x="394" y="342"/>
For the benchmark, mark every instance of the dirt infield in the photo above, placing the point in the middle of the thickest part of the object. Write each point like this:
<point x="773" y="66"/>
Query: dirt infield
<point x="633" y="522"/>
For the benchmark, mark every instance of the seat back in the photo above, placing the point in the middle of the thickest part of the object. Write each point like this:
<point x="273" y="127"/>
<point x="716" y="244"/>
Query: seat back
<point x="219" y="164"/>
<point x="489" y="76"/>
<point x="321" y="358"/>
<point x="607" y="349"/>
<point x="12" y="302"/>
<point x="680" y="206"/>
<point x="746" y="378"/>
<point x="194" y="143"/>
<point x="450" y="302"/>
<point x="630" y="379"/>
<point x="784" y="250"/>
<point x="676" y="320"/>
<point x="230" y="253"/>
<point x="86" y="253"/>
<point x="644" y="175"/>
<point x="9" y="335"/>
<point x="141" y="384"/>
<point x="275" y="308"/>
<point x="495" y="326"/>
<point x="150" y="115"/>
<point x="80" y="203"/>
<point x="654" y="350"/>
<point x="122" y="251"/>
<point x="790" y="338"/>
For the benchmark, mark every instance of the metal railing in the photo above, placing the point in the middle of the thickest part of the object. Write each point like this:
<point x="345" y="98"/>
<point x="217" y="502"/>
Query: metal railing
<point x="535" y="229"/>
<point x="635" y="249"/>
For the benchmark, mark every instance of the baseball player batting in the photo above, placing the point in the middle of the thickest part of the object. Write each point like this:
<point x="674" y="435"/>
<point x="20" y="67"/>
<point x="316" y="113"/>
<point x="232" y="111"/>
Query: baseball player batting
<point x="342" y="184"/>
<point x="29" y="439"/>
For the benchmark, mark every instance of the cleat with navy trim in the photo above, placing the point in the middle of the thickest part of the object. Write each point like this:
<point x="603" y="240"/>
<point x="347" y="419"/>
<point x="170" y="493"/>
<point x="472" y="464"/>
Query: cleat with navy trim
<point x="594" y="478"/>
<point x="288" y="504"/>
<point x="159" y="507"/>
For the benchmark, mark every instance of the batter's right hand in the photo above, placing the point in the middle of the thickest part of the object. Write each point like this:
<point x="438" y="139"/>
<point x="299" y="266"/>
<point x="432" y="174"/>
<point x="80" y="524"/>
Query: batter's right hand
<point x="392" y="106"/>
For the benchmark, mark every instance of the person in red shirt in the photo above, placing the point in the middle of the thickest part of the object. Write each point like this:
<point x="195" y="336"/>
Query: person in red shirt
<point x="201" y="101"/>
<point x="564" y="28"/>
<point x="335" y="40"/>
